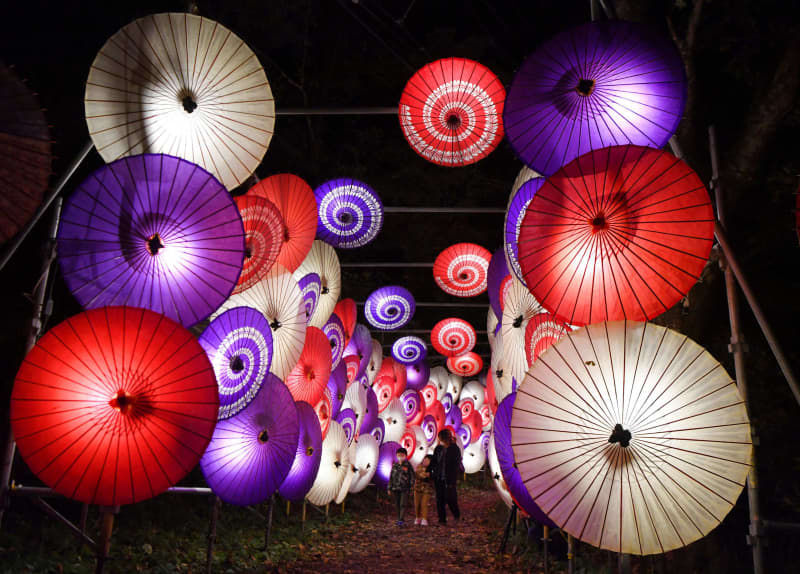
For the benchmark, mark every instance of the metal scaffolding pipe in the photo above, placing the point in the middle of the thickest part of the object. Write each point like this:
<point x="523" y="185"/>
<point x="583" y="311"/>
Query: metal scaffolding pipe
<point x="413" y="331"/>
<point x="369" y="111"/>
<point x="445" y="210"/>
<point x="41" y="491"/>
<point x="435" y="304"/>
<point x="383" y="264"/>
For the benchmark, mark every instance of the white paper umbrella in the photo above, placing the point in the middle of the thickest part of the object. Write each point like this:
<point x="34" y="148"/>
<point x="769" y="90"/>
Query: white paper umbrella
<point x="344" y="489"/>
<point x="501" y="376"/>
<point x="440" y="378"/>
<point x="491" y="325"/>
<point x="474" y="457"/>
<point x="394" y="421"/>
<point x="631" y="437"/>
<point x="525" y="174"/>
<point x="356" y="398"/>
<point x="365" y="462"/>
<point x="279" y="299"/>
<point x="475" y="391"/>
<point x="420" y="445"/>
<point x="333" y="467"/>
<point x="182" y="85"/>
<point x="323" y="261"/>
<point x="454" y="384"/>
<point x="519" y="307"/>
<point x="375" y="361"/>
<point x="497" y="475"/>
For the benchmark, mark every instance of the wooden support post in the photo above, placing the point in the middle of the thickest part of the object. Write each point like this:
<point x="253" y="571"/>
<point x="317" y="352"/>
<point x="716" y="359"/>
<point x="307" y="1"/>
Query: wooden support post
<point x="212" y="532"/>
<point x="303" y="523"/>
<point x="104" y="543"/>
<point x="269" y="523"/>
<point x="570" y="554"/>
<point x="288" y="507"/>
<point x="623" y="563"/>
<point x="545" y="547"/>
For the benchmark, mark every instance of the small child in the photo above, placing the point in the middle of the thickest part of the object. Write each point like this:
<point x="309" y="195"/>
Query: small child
<point x="401" y="482"/>
<point x="423" y="487"/>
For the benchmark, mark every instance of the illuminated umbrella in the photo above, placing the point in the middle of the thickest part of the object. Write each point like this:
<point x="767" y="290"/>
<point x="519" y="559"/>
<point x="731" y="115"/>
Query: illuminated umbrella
<point x="631" y="437"/>
<point x="447" y="402"/>
<point x="25" y="153"/>
<point x="415" y="443"/>
<point x="542" y="332"/>
<point x="307" y="458"/>
<point x="409" y="350"/>
<point x="453" y="418"/>
<point x="466" y="406"/>
<point x="375" y="361"/>
<point x="239" y="345"/>
<point x="98" y="408"/>
<point x="467" y="365"/>
<point x="396" y="373"/>
<point x="474" y="457"/>
<point x="365" y="463"/>
<point x="394" y="420"/>
<point x="323" y="261"/>
<point x="370" y="412"/>
<point x="323" y="409"/>
<point x="464" y="435"/>
<point x="417" y="375"/>
<point x="600" y="84"/>
<point x="347" y="419"/>
<point x="504" y="381"/>
<point x="278" y="298"/>
<point x="519" y="309"/>
<point x="337" y="387"/>
<point x="462" y="269"/>
<point x="184" y="85"/>
<point x="310" y="286"/>
<point x="628" y="231"/>
<point x="377" y="431"/>
<point x="344" y="489"/>
<point x="351" y="363"/>
<point x="360" y="345"/>
<point x="350" y="213"/>
<point x="497" y="280"/>
<point x="309" y="377"/>
<point x="525" y="174"/>
<point x="474" y="391"/>
<point x="452" y="337"/>
<point x="263" y="238"/>
<point x="387" y="456"/>
<point x="346" y="311"/>
<point x="440" y="379"/>
<point x="451" y="111"/>
<point x="492" y="326"/>
<point x="356" y="400"/>
<point x="383" y="388"/>
<point x="251" y="453"/>
<point x="295" y="200"/>
<point x="152" y="231"/>
<point x="412" y="404"/>
<point x="515" y="215"/>
<point x="390" y="307"/>
<point x="437" y="412"/>
<point x="491" y="395"/>
<point x="428" y="394"/>
<point x="475" y="423"/>
<point x="430" y="428"/>
<point x="454" y="384"/>
<point x="333" y="468"/>
<point x="497" y="476"/>
<point x="486" y="417"/>
<point x="334" y="331"/>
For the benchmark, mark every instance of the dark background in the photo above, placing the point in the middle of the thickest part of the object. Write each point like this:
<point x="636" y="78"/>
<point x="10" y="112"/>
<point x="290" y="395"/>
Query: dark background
<point x="743" y="65"/>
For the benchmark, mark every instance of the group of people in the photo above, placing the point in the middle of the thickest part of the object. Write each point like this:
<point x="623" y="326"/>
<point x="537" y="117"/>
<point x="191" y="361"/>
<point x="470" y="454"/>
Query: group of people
<point x="438" y="472"/>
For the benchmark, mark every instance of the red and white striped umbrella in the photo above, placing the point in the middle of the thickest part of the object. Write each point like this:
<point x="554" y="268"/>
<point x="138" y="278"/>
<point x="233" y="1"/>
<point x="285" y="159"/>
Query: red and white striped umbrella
<point x="462" y="269"/>
<point x="263" y="236"/>
<point x="452" y="337"/>
<point x="466" y="365"/>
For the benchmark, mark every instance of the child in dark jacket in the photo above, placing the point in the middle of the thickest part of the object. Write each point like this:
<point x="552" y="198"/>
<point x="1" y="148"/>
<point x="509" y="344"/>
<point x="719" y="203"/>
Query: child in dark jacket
<point x="401" y="481"/>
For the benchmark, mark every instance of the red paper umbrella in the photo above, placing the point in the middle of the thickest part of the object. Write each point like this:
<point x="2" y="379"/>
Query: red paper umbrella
<point x="436" y="410"/>
<point x="263" y="234"/>
<point x="309" y="377"/>
<point x="466" y="406"/>
<point x="452" y="337"/>
<point x="491" y="395"/>
<point x="475" y="424"/>
<point x="465" y="365"/>
<point x="542" y="332"/>
<point x="347" y="312"/>
<point x="451" y="111"/>
<point x="384" y="391"/>
<point x="114" y="405"/>
<point x="352" y="363"/>
<point x="462" y="269"/>
<point x="428" y="393"/>
<point x="395" y="371"/>
<point x="620" y="232"/>
<point x="323" y="410"/>
<point x="294" y="198"/>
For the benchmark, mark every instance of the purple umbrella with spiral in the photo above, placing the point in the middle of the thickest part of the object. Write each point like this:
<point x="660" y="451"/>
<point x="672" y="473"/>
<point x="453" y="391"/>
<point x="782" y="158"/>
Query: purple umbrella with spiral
<point x="350" y="213"/>
<point x="389" y="307"/>
<point x="360" y="345"/>
<point x="378" y="431"/>
<point x="429" y="428"/>
<point x="453" y="418"/>
<point x="412" y="402"/>
<point x="337" y="385"/>
<point x="310" y="286"/>
<point x="517" y="209"/>
<point x="447" y="403"/>
<point x="387" y="456"/>
<point x="347" y="418"/>
<point x="370" y="412"/>
<point x="417" y="375"/>
<point x="409" y="350"/>
<point x="334" y="330"/>
<point x="464" y="434"/>
<point x="496" y="278"/>
<point x="307" y="455"/>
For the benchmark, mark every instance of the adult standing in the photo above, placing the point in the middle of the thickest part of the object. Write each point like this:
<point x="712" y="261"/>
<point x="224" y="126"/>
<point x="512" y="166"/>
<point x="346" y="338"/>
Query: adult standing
<point x="446" y="471"/>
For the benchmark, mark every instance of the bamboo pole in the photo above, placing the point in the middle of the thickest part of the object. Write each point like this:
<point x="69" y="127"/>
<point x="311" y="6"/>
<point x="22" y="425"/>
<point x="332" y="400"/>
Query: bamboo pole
<point x="212" y="533"/>
<point x="104" y="543"/>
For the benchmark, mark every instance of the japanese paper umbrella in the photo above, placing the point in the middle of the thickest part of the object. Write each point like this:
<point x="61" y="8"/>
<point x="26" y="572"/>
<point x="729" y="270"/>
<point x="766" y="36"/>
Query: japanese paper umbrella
<point x="323" y="261"/>
<point x="498" y="276"/>
<point x="347" y="311"/>
<point x="631" y="437"/>
<point x="360" y="345"/>
<point x="497" y="476"/>
<point x="295" y="200"/>
<point x="542" y="332"/>
<point x="515" y="214"/>
<point x="467" y="365"/>
<point x="390" y="307"/>
<point x="309" y="377"/>
<point x="310" y="286"/>
<point x="365" y="463"/>
<point x="350" y="213"/>
<point x="114" y="405"/>
<point x="334" y="330"/>
<point x="25" y="153"/>
<point x="183" y="85"/>
<point x="519" y="309"/>
<point x="356" y="399"/>
<point x="387" y="456"/>
<point x="394" y="420"/>
<point x="452" y="337"/>
<point x="451" y="111"/>
<point x="462" y="269"/>
<point x="152" y="231"/>
<point x="263" y="237"/>
<point x="334" y="465"/>
<point x="375" y="361"/>
<point x="408" y="350"/>
<point x="417" y="375"/>
<point x="307" y="457"/>
<point x="337" y="386"/>
<point x="600" y="84"/>
<point x="323" y="408"/>
<point x="251" y="453"/>
<point x="619" y="233"/>
<point x="278" y="298"/>
<point x="370" y="418"/>
<point x="239" y="345"/>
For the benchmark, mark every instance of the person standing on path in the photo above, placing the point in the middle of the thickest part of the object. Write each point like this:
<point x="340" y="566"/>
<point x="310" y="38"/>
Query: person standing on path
<point x="446" y="471"/>
<point x="423" y="487"/>
<point x="401" y="481"/>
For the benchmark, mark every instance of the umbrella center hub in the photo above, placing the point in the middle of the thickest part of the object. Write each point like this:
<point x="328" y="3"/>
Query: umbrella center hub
<point x="310" y="375"/>
<point x="409" y="353"/>
<point x="286" y="236"/>
<point x="310" y="451"/>
<point x="345" y="217"/>
<point x="263" y="436"/>
<point x="236" y="364"/>
<point x="391" y="311"/>
<point x="333" y="343"/>
<point x="620" y="435"/>
<point x="599" y="223"/>
<point x="122" y="401"/>
<point x="518" y="322"/>
<point x="188" y="101"/>
<point x="248" y="252"/>
<point x="154" y="244"/>
<point x="275" y="325"/>
<point x="453" y="121"/>
<point x="585" y="87"/>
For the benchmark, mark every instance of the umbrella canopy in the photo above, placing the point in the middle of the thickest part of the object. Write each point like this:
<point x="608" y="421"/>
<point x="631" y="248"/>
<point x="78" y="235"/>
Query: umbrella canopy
<point x="451" y="111"/>
<point x="356" y="399"/>
<point x="466" y="406"/>
<point x="430" y="428"/>
<point x="351" y="363"/>
<point x="295" y="200"/>
<point x="25" y="153"/>
<point x="370" y="411"/>
<point x="497" y="476"/>
<point x="383" y="388"/>
<point x="238" y="343"/>
<point x="412" y="404"/>
<point x="365" y="462"/>
<point x="309" y="377"/>
<point x="417" y="375"/>
<point x="251" y="453"/>
<point x="333" y="468"/>
<point x="390" y="307"/>
<point x="415" y="443"/>
<point x="152" y="231"/>
<point x="475" y="423"/>
<point x="474" y="391"/>
<point x="310" y="286"/>
<point x="98" y="408"/>
<point x="454" y="384"/>
<point x="263" y="238"/>
<point x="440" y="379"/>
<point x="497" y="277"/>
<point x="491" y="395"/>
<point x="394" y="420"/>
<point x="467" y="365"/>
<point x="344" y="489"/>
<point x="375" y="360"/>
<point x="464" y="435"/>
<point x="347" y="311"/>
<point x="628" y="231"/>
<point x="337" y="387"/>
<point x="447" y="402"/>
<point x="631" y="437"/>
<point x="515" y="214"/>
<point x="347" y="419"/>
<point x="474" y="456"/>
<point x="462" y="269"/>
<point x="378" y="431"/>
<point x="387" y="456"/>
<point x="334" y="331"/>
<point x="542" y="332"/>
<point x="323" y="261"/>
<point x="519" y="309"/>
<point x="409" y="350"/>
<point x="181" y="84"/>
<point x="350" y="213"/>
<point x="323" y="409"/>
<point x="603" y="83"/>
<point x="492" y="326"/>
<point x="278" y="298"/>
<point x="307" y="456"/>
<point x="452" y="337"/>
<point x="360" y="345"/>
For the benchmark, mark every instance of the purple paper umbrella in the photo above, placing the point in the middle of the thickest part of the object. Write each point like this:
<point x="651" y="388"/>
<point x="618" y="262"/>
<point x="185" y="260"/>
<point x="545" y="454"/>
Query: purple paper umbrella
<point x="517" y="208"/>
<point x="152" y="231"/>
<point x="484" y="440"/>
<point x="417" y="375"/>
<point x="464" y="434"/>
<point x="505" y="456"/>
<point x="453" y="417"/>
<point x="347" y="418"/>
<point x="239" y="345"/>
<point x="251" y="453"/>
<point x="350" y="213"/>
<point x="306" y="461"/>
<point x="337" y="385"/>
<point x="389" y="307"/>
<point x="447" y="403"/>
<point x="429" y="428"/>
<point x="598" y="85"/>
<point x="411" y="400"/>
<point x="360" y="345"/>
<point x="310" y="286"/>
<point x="334" y="330"/>
<point x="378" y="431"/>
<point x="497" y="278"/>
<point x="387" y="456"/>
<point x="409" y="350"/>
<point x="370" y="419"/>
